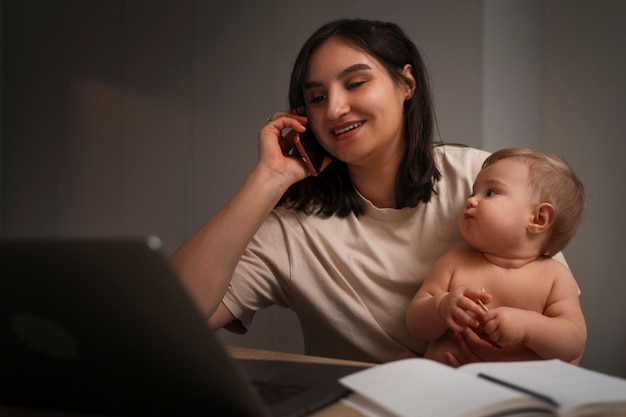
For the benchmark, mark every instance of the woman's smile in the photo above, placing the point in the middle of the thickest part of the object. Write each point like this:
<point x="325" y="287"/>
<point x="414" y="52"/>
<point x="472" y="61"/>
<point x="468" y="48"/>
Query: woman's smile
<point x="346" y="130"/>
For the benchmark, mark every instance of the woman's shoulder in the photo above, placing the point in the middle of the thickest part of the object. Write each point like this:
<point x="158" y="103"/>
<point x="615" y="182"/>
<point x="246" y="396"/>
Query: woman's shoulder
<point x="459" y="160"/>
<point x="457" y="153"/>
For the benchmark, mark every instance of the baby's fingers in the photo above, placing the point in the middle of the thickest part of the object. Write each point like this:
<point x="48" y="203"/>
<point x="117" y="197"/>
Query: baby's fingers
<point x="460" y="320"/>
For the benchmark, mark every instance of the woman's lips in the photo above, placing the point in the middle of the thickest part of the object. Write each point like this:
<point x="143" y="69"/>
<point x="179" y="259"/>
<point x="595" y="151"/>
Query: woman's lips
<point x="346" y="130"/>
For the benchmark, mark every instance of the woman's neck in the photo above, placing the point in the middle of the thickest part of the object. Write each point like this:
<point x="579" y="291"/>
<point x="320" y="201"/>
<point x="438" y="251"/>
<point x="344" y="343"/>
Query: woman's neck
<point x="375" y="177"/>
<point x="376" y="185"/>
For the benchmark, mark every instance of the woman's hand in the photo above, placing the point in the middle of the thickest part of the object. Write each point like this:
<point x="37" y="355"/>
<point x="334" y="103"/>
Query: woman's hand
<point x="475" y="349"/>
<point x="276" y="140"/>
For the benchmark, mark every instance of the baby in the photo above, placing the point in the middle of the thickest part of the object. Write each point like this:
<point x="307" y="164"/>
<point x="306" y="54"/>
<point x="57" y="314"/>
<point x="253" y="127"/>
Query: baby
<point x="525" y="207"/>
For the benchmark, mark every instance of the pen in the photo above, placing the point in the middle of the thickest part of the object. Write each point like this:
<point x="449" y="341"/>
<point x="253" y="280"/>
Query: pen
<point x="526" y="391"/>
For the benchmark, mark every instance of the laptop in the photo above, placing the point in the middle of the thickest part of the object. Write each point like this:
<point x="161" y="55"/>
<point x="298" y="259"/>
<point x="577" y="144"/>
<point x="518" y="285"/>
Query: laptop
<point x="105" y="327"/>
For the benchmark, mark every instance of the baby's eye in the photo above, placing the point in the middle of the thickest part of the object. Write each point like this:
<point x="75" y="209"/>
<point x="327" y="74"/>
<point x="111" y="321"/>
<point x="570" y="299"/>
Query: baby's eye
<point x="491" y="193"/>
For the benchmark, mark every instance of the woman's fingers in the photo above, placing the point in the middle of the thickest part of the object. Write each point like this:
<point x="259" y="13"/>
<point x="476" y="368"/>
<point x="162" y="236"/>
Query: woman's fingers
<point x="281" y="115"/>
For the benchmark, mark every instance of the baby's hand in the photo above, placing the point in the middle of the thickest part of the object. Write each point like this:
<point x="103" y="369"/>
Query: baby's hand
<point x="459" y="309"/>
<point x="504" y="326"/>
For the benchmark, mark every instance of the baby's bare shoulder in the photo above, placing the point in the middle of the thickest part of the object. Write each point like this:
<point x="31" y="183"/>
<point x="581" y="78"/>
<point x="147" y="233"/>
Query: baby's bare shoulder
<point x="555" y="267"/>
<point x="462" y="254"/>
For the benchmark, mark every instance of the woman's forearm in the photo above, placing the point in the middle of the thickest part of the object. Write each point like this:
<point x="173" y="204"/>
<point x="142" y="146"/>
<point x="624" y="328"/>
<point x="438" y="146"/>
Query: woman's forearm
<point x="205" y="263"/>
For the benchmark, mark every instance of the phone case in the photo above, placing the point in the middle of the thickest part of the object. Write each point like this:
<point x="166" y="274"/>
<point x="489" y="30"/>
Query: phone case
<point x="310" y="150"/>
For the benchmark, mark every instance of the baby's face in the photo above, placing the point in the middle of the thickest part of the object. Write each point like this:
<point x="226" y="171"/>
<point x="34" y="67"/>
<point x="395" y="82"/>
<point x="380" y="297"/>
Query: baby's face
<point x="496" y="215"/>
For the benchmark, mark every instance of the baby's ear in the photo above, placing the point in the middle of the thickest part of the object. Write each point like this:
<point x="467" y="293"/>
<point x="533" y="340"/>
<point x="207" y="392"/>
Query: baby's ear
<point x="542" y="218"/>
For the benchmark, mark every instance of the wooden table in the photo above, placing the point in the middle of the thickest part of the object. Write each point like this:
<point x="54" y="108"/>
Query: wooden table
<point x="333" y="410"/>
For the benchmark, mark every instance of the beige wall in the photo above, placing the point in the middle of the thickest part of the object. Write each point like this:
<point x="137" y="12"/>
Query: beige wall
<point x="140" y="117"/>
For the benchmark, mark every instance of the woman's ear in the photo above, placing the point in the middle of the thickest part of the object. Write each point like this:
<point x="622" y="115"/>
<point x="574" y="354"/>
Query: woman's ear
<point x="542" y="218"/>
<point x="409" y="82"/>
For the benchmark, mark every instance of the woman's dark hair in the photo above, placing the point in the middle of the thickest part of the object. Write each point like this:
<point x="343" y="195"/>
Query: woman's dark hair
<point x="332" y="192"/>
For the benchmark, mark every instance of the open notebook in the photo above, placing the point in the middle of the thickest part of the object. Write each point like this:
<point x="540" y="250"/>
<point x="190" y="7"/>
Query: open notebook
<point x="104" y="326"/>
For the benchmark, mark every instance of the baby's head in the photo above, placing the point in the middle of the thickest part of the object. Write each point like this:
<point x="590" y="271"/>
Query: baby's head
<point x="553" y="182"/>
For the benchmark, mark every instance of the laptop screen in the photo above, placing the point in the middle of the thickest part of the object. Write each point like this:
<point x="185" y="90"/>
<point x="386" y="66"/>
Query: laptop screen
<point x="104" y="326"/>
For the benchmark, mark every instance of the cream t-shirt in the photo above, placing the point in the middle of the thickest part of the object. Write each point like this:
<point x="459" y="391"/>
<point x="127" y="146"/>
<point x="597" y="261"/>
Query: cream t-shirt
<point x="349" y="280"/>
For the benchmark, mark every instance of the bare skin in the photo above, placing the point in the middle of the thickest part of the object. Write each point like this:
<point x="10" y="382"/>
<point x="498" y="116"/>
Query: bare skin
<point x="532" y="302"/>
<point x="532" y="305"/>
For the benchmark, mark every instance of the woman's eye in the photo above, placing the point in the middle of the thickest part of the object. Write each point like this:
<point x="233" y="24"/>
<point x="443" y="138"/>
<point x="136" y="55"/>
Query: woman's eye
<point x="317" y="99"/>
<point x="355" y="84"/>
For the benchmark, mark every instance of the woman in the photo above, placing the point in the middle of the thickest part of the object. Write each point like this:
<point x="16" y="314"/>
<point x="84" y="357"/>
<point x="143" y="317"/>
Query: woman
<point x="346" y="249"/>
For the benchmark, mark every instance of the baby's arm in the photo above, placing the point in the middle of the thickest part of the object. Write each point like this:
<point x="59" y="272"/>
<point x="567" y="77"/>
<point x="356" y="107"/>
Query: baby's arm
<point x="559" y="332"/>
<point x="436" y="308"/>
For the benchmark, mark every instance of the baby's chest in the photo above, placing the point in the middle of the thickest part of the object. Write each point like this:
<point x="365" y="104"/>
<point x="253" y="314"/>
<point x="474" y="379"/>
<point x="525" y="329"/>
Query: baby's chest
<point x="509" y="289"/>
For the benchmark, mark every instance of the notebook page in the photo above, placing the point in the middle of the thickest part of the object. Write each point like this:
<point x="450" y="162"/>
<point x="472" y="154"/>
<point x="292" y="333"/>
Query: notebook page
<point x="569" y="385"/>
<point x="413" y="387"/>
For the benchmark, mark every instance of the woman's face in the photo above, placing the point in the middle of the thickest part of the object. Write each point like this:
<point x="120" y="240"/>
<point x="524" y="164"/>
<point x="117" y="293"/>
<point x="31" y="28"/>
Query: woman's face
<point x="354" y="106"/>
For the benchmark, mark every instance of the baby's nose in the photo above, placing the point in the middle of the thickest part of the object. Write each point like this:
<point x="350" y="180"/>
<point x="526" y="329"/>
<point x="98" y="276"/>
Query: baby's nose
<point x="471" y="202"/>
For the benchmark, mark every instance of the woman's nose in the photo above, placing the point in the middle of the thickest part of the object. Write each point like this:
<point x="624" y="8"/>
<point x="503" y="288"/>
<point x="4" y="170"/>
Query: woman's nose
<point x="337" y="106"/>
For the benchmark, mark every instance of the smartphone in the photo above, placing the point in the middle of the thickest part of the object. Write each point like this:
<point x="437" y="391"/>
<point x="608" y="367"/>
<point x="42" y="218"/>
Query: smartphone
<point x="310" y="150"/>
